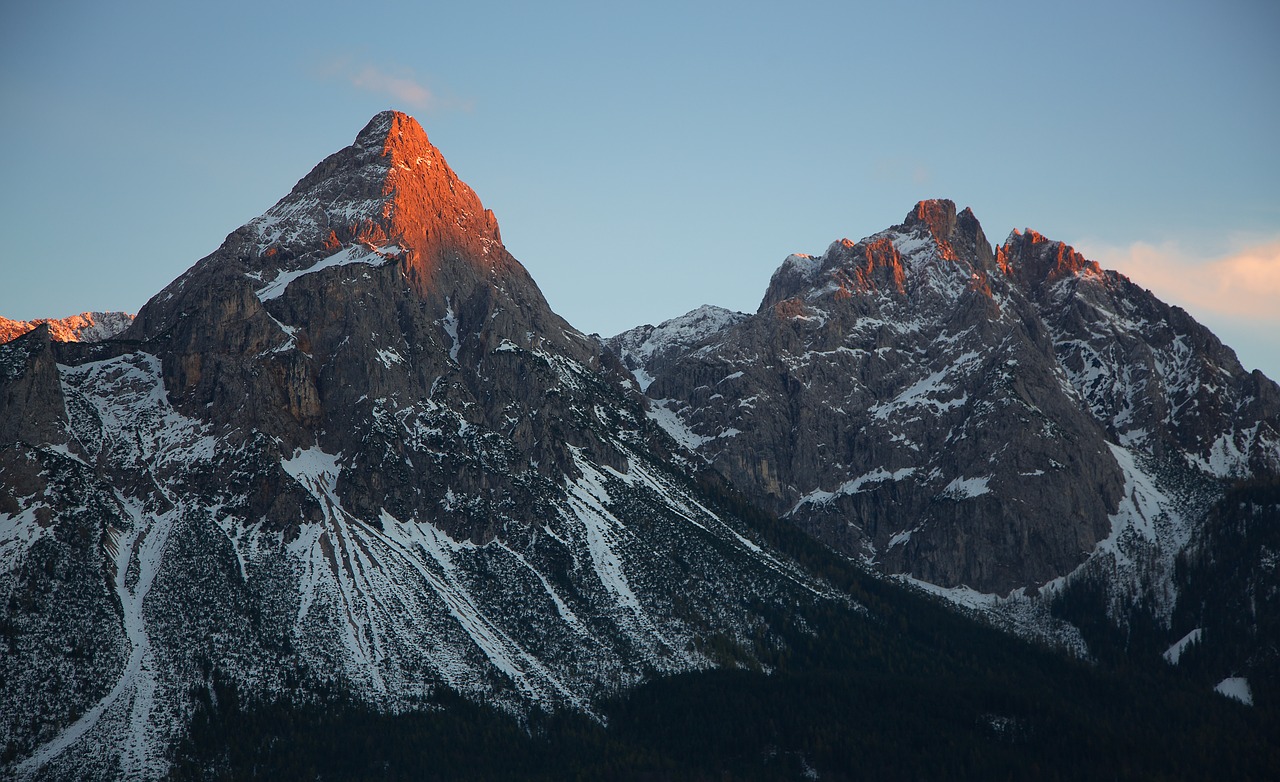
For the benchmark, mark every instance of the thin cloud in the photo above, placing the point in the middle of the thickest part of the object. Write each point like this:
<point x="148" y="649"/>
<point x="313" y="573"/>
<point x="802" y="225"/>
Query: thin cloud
<point x="1242" y="285"/>
<point x="403" y="88"/>
<point x="401" y="84"/>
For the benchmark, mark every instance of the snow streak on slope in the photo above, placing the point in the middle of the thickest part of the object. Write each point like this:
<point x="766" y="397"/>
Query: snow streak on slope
<point x="132" y="699"/>
<point x="361" y="567"/>
<point x="1148" y="531"/>
<point x="123" y="414"/>
<point x="410" y="608"/>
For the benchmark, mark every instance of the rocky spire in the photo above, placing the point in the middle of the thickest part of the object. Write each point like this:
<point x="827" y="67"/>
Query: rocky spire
<point x="959" y="235"/>
<point x="381" y="245"/>
<point x="390" y="188"/>
<point x="1033" y="260"/>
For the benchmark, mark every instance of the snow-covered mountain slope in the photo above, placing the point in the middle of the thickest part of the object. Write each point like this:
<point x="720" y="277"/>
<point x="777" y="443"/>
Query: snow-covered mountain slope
<point x="351" y="448"/>
<point x="1001" y="420"/>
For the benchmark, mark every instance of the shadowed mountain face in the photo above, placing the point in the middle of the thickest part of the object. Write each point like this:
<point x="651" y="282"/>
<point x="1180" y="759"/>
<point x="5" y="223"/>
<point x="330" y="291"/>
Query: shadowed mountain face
<point x="967" y="416"/>
<point x="352" y="447"/>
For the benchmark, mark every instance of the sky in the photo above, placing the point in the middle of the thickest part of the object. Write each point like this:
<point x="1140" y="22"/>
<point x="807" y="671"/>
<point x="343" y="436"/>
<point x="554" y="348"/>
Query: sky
<point x="646" y="158"/>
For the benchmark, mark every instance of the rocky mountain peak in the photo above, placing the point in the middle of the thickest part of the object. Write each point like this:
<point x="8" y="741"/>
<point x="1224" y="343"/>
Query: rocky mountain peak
<point x="390" y="189"/>
<point x="934" y="247"/>
<point x="958" y="235"/>
<point x="390" y="129"/>
<point x="938" y="215"/>
<point x="389" y="199"/>
<point x="1032" y="259"/>
<point x="380" y="256"/>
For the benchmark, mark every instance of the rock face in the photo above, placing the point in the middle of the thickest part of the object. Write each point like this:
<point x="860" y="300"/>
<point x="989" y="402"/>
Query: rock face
<point x="992" y="419"/>
<point x="85" y="327"/>
<point x="352" y="447"/>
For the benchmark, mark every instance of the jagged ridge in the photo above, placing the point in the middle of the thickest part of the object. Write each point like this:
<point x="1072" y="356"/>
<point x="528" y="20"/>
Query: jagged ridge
<point x="973" y="417"/>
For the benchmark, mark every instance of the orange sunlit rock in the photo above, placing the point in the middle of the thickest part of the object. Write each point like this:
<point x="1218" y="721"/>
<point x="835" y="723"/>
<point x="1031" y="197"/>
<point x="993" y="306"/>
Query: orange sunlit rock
<point x="940" y="216"/>
<point x="1031" y="256"/>
<point x="75" y="328"/>
<point x="430" y="213"/>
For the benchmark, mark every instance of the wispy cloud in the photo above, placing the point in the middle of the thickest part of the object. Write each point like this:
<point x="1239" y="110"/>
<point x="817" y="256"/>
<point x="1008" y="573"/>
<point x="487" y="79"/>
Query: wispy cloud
<point x="400" y="84"/>
<point x="403" y="88"/>
<point x="1241" y="285"/>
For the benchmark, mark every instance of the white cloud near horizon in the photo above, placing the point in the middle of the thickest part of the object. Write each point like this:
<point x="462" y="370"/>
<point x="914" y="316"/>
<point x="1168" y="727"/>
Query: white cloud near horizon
<point x="1242" y="285"/>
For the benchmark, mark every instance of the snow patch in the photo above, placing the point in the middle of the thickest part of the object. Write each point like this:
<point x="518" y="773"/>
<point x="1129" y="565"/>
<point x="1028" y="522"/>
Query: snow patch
<point x="674" y="425"/>
<point x="389" y="356"/>
<point x="1236" y="687"/>
<point x="643" y="378"/>
<point x="854" y="486"/>
<point x="1174" y="653"/>
<point x="931" y="391"/>
<point x="967" y="488"/>
<point x="1225" y="458"/>
<point x="450" y="324"/>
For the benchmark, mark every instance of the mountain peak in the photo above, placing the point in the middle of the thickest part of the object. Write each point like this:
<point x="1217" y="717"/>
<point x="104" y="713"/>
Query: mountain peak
<point x="1032" y="258"/>
<point x="388" y="125"/>
<point x="380" y="256"/>
<point x="397" y="137"/>
<point x="391" y="186"/>
<point x="886" y="261"/>
<point x="390" y="195"/>
<point x="936" y="214"/>
<point x="958" y="234"/>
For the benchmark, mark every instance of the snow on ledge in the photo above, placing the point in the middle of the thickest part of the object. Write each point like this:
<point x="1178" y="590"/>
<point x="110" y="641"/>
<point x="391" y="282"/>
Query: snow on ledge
<point x="354" y="254"/>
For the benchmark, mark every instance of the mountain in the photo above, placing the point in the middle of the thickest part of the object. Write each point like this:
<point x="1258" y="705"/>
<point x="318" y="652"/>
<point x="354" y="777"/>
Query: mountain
<point x="353" y="448"/>
<point x="347" y="499"/>
<point x="991" y="422"/>
<point x="85" y="327"/>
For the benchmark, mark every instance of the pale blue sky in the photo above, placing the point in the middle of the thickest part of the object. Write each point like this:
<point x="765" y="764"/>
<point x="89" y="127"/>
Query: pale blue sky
<point x="648" y="158"/>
